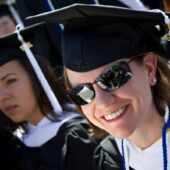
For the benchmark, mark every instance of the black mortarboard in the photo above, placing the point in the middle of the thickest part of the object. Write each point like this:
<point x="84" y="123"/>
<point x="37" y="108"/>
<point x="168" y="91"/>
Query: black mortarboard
<point x="10" y="46"/>
<point x="17" y="45"/>
<point x="95" y="35"/>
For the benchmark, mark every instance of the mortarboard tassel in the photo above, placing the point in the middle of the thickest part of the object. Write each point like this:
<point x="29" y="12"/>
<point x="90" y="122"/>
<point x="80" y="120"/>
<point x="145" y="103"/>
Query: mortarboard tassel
<point x="52" y="98"/>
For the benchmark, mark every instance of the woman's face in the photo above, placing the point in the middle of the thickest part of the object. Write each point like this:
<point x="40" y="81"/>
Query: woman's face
<point x="17" y="98"/>
<point x="122" y="111"/>
<point x="7" y="25"/>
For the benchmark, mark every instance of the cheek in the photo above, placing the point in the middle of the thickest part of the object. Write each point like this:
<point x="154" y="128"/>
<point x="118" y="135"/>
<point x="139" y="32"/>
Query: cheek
<point x="141" y="85"/>
<point x="139" y="91"/>
<point x="89" y="114"/>
<point x="87" y="111"/>
<point x="26" y="89"/>
<point x="139" y="81"/>
<point x="11" y="26"/>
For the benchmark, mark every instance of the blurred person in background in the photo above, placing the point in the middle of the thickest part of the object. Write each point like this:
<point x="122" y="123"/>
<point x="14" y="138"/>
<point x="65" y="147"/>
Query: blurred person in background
<point x="49" y="134"/>
<point x="9" y="17"/>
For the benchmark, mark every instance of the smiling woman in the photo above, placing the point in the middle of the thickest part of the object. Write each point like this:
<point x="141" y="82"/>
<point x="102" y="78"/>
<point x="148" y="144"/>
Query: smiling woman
<point x="117" y="73"/>
<point x="49" y="134"/>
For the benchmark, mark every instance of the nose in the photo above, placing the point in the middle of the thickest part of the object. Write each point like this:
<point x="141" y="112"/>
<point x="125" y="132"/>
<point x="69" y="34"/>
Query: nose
<point x="103" y="98"/>
<point x="4" y="95"/>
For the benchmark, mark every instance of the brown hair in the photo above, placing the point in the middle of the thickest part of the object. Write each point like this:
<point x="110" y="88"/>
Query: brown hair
<point x="56" y="84"/>
<point x="160" y="90"/>
<point x="166" y="4"/>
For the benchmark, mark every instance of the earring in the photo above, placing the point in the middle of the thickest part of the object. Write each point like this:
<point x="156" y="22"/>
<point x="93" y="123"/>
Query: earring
<point x="154" y="81"/>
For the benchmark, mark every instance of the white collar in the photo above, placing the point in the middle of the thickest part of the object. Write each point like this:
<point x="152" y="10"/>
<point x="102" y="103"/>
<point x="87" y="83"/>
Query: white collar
<point x="45" y="130"/>
<point x="150" y="158"/>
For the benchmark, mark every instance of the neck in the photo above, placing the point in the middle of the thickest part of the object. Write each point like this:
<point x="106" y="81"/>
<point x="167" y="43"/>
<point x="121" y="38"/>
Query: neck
<point x="35" y="117"/>
<point x="149" y="132"/>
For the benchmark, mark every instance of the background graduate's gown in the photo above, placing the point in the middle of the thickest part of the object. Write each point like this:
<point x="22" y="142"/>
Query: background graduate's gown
<point x="5" y="138"/>
<point x="70" y="149"/>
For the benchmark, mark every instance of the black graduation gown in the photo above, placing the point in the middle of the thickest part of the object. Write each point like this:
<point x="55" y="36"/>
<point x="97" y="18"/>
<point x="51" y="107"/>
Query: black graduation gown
<point x="107" y="156"/>
<point x="5" y="138"/>
<point x="70" y="149"/>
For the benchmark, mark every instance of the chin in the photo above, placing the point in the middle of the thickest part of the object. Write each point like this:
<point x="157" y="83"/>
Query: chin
<point x="121" y="134"/>
<point x="15" y="120"/>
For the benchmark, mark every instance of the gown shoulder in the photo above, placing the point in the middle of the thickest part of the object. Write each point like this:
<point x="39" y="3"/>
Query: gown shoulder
<point x="70" y="149"/>
<point x="107" y="155"/>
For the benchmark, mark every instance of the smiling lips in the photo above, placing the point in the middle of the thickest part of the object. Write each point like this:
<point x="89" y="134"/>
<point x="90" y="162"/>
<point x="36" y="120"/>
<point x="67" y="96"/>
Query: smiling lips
<point x="115" y="114"/>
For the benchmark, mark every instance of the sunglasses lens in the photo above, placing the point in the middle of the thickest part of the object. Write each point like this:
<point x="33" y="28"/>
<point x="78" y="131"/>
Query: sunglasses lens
<point x="109" y="80"/>
<point x="82" y="94"/>
<point x="114" y="77"/>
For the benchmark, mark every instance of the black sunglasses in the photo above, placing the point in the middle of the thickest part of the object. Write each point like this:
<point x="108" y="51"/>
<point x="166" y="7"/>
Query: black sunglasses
<point x="109" y="80"/>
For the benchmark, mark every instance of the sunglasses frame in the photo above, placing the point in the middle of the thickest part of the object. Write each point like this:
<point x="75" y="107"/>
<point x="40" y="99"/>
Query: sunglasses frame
<point x="80" y="101"/>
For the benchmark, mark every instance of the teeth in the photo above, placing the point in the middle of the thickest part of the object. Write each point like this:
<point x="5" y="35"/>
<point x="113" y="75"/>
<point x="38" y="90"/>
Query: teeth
<point x="115" y="114"/>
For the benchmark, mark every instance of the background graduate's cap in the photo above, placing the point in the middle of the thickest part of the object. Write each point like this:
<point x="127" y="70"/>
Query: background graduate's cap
<point x="19" y="44"/>
<point x="95" y="35"/>
<point x="11" y="48"/>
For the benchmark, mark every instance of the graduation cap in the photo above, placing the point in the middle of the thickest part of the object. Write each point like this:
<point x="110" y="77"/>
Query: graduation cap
<point x="95" y="35"/>
<point x="17" y="45"/>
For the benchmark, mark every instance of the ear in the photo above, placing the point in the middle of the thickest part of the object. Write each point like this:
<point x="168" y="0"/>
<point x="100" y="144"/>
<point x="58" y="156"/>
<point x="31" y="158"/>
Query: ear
<point x="150" y="63"/>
